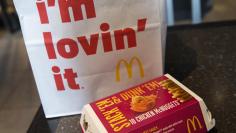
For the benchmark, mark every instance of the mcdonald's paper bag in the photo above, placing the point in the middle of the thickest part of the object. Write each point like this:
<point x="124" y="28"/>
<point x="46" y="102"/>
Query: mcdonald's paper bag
<point x="82" y="50"/>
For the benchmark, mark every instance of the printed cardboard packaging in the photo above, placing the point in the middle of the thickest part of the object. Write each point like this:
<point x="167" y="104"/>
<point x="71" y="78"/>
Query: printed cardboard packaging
<point x="162" y="105"/>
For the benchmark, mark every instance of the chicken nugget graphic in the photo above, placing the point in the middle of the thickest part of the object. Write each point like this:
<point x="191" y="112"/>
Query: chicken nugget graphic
<point x="143" y="103"/>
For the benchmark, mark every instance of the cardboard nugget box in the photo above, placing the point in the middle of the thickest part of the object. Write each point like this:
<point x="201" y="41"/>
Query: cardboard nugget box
<point x="162" y="105"/>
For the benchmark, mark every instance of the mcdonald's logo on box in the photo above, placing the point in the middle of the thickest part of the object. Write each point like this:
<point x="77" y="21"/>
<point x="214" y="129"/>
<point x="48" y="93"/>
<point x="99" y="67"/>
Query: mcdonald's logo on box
<point x="129" y="66"/>
<point x="157" y="106"/>
<point x="194" y="123"/>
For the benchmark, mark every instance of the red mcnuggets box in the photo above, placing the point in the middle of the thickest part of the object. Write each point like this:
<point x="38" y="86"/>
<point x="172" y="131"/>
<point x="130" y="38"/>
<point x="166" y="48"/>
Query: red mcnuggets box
<point x="162" y="105"/>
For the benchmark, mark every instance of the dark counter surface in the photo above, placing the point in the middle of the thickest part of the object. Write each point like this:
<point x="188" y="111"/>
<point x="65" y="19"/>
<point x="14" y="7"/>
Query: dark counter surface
<point x="203" y="57"/>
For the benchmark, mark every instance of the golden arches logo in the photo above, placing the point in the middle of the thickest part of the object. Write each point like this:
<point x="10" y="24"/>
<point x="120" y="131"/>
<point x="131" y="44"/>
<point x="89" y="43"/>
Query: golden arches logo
<point x="193" y="123"/>
<point x="129" y="67"/>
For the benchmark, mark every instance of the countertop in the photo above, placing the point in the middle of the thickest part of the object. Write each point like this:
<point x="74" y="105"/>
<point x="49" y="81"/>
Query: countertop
<point x="203" y="57"/>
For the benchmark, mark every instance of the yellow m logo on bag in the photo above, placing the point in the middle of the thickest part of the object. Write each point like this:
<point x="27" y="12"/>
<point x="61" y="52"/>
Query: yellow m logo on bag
<point x="129" y="67"/>
<point x="192" y="122"/>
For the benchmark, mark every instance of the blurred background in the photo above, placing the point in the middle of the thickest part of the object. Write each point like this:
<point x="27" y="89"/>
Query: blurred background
<point x="199" y="11"/>
<point x="19" y="99"/>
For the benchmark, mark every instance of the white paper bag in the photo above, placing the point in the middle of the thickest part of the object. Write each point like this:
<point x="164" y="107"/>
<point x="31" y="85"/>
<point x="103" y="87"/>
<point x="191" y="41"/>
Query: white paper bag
<point x="82" y="50"/>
